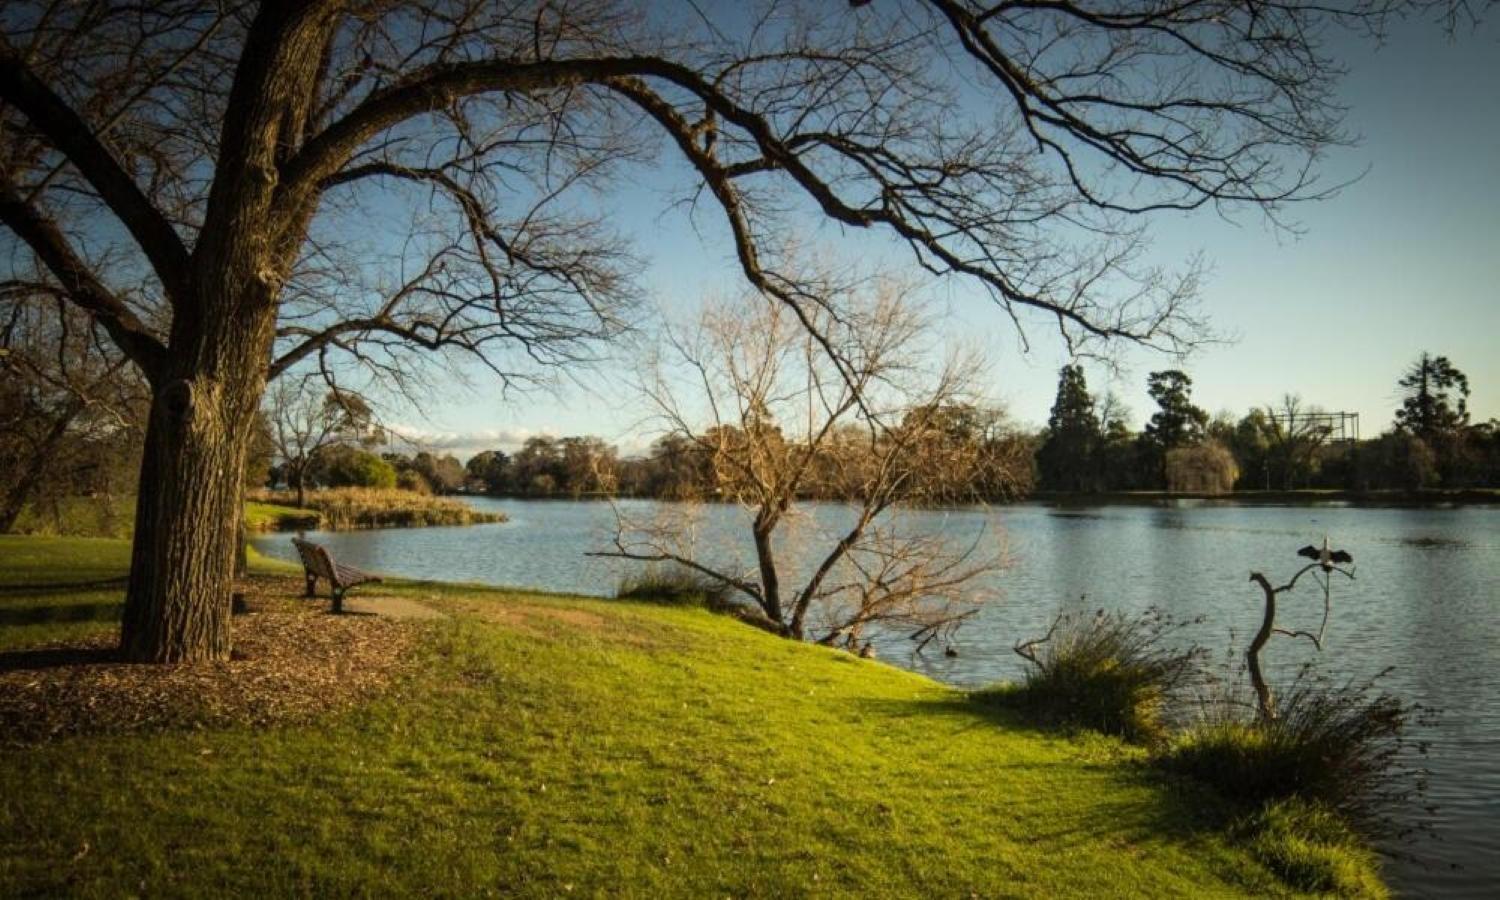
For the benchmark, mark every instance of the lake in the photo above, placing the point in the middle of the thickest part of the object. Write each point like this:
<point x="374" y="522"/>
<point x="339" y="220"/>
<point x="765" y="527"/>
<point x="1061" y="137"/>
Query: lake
<point x="1426" y="602"/>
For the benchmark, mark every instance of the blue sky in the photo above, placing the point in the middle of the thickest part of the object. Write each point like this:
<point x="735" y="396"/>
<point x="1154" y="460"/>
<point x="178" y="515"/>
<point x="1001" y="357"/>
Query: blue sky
<point x="1405" y="260"/>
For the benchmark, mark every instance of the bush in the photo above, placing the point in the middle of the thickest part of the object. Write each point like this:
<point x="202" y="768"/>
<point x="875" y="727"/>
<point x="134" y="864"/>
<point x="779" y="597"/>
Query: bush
<point x="1108" y="672"/>
<point x="674" y="586"/>
<point x="341" y="466"/>
<point x="412" y="480"/>
<point x="1338" y="747"/>
<point x="1207" y="468"/>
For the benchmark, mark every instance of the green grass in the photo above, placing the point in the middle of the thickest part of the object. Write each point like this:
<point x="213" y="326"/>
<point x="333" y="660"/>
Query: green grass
<point x="54" y="588"/>
<point x="112" y="516"/>
<point x="275" y="517"/>
<point x="548" y="746"/>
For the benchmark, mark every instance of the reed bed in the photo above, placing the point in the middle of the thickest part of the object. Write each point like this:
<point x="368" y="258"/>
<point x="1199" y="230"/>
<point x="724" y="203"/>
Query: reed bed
<point x="348" y="509"/>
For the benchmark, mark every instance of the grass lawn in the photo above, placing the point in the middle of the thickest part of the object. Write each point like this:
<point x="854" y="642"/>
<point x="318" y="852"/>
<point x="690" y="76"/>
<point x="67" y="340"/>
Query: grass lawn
<point x="275" y="517"/>
<point x="547" y="746"/>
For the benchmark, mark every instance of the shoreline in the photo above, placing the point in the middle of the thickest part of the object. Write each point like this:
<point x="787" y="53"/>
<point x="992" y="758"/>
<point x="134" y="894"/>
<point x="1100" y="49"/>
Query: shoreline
<point x="560" y="724"/>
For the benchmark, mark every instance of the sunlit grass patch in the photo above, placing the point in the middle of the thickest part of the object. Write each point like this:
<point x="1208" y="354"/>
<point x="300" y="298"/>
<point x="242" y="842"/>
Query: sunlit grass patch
<point x="546" y="746"/>
<point x="275" y="517"/>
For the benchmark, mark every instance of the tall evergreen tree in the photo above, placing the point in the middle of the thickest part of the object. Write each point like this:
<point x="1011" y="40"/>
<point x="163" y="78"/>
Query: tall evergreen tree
<point x="1068" y="459"/>
<point x="1176" y="423"/>
<point x="1435" y="398"/>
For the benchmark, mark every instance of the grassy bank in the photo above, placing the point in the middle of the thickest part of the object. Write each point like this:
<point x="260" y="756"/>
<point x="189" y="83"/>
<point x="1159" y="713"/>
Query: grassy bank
<point x="279" y="517"/>
<point x="340" y="509"/>
<point x="112" y="516"/>
<point x="545" y="746"/>
<point x="354" y="508"/>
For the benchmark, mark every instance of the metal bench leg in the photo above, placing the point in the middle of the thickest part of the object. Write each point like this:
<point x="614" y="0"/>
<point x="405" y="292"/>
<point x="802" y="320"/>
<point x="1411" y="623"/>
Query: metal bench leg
<point x="312" y="585"/>
<point x="338" y="600"/>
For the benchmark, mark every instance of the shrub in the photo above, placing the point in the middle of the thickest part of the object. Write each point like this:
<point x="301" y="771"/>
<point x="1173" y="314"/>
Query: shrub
<point x="1340" y="747"/>
<point x="674" y="585"/>
<point x="1207" y="468"/>
<point x="1108" y="672"/>
<point x="341" y="466"/>
<point x="412" y="480"/>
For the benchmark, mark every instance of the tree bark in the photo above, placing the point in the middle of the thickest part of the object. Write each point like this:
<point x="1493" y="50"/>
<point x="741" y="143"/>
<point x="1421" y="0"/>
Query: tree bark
<point x="177" y="605"/>
<point x="1265" y="701"/>
<point x="770" y="581"/>
<point x="207" y="389"/>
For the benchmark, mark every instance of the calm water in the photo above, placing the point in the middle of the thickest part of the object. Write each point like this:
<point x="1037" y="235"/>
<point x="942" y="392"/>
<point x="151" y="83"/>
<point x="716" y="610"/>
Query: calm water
<point x="1427" y="601"/>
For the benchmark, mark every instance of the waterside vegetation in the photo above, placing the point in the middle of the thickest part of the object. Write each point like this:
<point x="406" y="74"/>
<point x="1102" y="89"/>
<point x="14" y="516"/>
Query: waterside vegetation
<point x="537" y="745"/>
<point x="343" y="509"/>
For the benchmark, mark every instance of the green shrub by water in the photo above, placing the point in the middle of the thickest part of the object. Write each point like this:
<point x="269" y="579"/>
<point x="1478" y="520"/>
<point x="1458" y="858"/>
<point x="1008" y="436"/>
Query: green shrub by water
<point x="1312" y="849"/>
<point x="1107" y="672"/>
<point x="1341" y="747"/>
<point x="672" y="585"/>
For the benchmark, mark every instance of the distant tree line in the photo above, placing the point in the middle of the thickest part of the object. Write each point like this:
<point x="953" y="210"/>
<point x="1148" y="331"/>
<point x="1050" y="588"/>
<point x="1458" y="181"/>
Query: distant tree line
<point x="998" y="463"/>
<point x="1286" y="445"/>
<point x="73" y="425"/>
<point x="1087" y="446"/>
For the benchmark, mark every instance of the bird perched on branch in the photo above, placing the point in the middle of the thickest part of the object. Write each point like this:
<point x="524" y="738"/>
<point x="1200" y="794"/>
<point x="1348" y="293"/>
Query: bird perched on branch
<point x="1324" y="556"/>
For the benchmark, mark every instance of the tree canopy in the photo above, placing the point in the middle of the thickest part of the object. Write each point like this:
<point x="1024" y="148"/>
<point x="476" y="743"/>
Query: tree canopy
<point x="1435" y="398"/>
<point x="1068" y="458"/>
<point x="235" y="191"/>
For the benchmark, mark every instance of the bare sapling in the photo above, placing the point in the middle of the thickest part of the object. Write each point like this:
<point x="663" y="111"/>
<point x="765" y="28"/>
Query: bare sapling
<point x="1326" y="562"/>
<point x="781" y="419"/>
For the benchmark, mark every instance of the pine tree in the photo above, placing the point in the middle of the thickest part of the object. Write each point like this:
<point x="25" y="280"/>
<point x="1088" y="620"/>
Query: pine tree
<point x="1068" y="459"/>
<point x="1177" y="422"/>
<point x="1436" y="398"/>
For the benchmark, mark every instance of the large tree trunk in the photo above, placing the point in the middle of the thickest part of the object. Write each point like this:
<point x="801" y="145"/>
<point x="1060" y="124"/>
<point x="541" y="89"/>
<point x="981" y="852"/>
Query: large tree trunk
<point x="770" y="580"/>
<point x="182" y="567"/>
<point x="177" y="607"/>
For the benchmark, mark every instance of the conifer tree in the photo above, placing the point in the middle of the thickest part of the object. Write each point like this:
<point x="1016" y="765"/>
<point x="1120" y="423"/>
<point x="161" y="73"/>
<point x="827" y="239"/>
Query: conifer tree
<point x="1068" y="458"/>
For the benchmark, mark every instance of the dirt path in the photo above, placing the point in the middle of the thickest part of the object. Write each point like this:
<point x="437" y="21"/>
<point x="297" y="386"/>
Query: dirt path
<point x="390" y="607"/>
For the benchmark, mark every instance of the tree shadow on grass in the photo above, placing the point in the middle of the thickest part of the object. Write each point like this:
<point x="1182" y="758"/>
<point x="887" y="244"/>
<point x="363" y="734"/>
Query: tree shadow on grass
<point x="48" y="615"/>
<point x="60" y="587"/>
<point x="56" y="658"/>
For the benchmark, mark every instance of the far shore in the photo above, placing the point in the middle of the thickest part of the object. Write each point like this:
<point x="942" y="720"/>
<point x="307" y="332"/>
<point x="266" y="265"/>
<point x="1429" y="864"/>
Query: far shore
<point x="1305" y="496"/>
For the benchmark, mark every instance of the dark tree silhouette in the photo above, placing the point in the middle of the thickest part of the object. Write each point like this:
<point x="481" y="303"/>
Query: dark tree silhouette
<point x="1068" y="459"/>
<point x="203" y="179"/>
<point x="1435" y="398"/>
<point x="1176" y="423"/>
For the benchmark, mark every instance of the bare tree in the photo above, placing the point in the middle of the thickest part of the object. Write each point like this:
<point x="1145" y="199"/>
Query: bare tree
<point x="304" y="420"/>
<point x="1295" y="433"/>
<point x="65" y="395"/>
<point x="755" y="392"/>
<point x="214" y="182"/>
<point x="1328" y="561"/>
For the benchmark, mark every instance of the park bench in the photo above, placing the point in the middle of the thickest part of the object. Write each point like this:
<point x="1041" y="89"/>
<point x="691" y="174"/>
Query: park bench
<point x="317" y="563"/>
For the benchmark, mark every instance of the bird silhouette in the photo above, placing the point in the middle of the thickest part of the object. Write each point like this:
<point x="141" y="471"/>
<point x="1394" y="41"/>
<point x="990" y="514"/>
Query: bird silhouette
<point x="1324" y="556"/>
